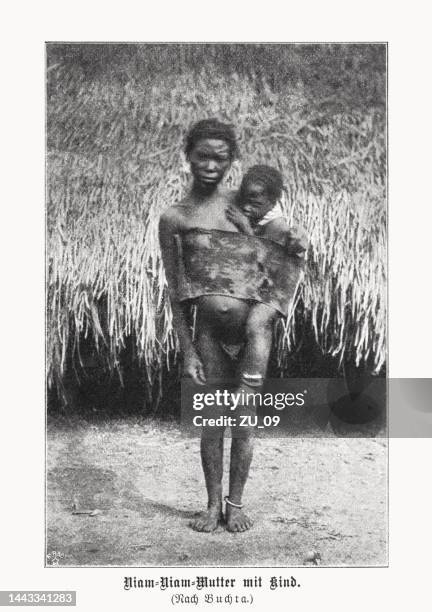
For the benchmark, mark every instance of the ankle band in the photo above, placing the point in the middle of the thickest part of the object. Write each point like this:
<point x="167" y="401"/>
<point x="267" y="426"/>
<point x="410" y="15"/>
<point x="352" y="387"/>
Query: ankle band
<point x="230" y="503"/>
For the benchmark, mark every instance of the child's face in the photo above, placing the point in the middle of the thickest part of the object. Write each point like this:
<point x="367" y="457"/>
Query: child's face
<point x="255" y="201"/>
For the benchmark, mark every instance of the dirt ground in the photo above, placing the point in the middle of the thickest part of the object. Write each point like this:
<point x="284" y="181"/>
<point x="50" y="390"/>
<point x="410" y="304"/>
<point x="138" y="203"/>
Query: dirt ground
<point x="325" y="495"/>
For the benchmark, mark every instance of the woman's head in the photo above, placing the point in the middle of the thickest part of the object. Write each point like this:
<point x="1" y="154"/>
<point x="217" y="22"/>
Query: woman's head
<point x="210" y="148"/>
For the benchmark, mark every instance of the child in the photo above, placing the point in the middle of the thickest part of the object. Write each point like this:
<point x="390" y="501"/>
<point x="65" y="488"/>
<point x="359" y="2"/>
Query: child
<point x="256" y="212"/>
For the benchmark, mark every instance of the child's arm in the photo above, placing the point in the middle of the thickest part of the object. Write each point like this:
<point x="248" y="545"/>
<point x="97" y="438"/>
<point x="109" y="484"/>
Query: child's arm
<point x="235" y="215"/>
<point x="294" y="239"/>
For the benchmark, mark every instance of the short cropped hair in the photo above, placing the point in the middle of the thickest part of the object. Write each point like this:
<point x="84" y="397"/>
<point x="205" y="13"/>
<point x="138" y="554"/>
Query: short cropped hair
<point x="212" y="128"/>
<point x="268" y="176"/>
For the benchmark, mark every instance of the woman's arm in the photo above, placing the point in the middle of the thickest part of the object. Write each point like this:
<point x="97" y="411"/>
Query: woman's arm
<point x="192" y="365"/>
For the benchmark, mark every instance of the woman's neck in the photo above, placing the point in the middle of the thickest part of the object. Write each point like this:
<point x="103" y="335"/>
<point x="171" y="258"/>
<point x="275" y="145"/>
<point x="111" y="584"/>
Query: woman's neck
<point x="202" y="193"/>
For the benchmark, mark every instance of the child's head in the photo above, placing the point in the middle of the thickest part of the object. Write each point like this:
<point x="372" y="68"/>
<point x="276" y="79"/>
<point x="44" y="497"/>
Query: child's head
<point x="260" y="189"/>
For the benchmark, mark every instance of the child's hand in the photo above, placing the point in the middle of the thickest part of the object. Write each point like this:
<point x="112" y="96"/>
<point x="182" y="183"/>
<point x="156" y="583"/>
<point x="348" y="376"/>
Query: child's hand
<point x="235" y="215"/>
<point x="296" y="240"/>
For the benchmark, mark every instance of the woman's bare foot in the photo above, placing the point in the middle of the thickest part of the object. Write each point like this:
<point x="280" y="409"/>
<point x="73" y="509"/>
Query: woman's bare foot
<point x="208" y="520"/>
<point x="236" y="519"/>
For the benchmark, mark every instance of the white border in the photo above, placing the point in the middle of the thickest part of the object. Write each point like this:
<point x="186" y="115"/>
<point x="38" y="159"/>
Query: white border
<point x="22" y="426"/>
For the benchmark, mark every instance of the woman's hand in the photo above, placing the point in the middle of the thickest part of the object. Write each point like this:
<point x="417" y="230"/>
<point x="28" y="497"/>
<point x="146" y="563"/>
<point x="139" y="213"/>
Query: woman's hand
<point x="235" y="215"/>
<point x="193" y="368"/>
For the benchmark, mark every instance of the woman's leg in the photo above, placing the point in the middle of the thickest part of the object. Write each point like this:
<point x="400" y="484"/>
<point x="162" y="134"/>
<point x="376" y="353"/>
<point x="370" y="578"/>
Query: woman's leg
<point x="216" y="366"/>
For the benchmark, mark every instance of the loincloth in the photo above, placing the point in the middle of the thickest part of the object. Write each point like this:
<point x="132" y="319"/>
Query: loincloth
<point x="216" y="262"/>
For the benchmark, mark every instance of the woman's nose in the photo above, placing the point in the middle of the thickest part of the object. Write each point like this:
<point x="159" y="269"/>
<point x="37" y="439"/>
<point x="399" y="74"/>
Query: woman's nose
<point x="211" y="164"/>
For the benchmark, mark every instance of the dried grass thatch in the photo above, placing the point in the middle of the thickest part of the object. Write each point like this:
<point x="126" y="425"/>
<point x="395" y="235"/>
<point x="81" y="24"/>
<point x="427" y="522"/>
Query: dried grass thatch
<point x="114" y="164"/>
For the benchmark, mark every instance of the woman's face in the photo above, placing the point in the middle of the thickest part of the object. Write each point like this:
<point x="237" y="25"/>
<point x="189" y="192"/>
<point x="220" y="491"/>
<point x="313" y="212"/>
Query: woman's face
<point x="209" y="160"/>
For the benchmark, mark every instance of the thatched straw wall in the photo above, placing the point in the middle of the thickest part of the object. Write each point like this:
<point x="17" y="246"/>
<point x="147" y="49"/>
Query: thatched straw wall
<point x="115" y="127"/>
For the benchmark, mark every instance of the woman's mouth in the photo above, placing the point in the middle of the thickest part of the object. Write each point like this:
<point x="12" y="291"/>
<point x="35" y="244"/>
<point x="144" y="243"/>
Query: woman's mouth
<point x="209" y="178"/>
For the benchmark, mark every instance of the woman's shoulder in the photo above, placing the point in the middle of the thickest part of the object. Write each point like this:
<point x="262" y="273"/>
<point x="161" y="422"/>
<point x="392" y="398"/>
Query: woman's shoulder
<point x="174" y="215"/>
<point x="230" y="195"/>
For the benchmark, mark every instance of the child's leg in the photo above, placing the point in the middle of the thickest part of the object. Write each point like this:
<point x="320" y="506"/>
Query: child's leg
<point x="259" y="336"/>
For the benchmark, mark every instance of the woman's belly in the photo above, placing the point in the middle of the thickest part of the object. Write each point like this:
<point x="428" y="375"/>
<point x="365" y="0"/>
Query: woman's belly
<point x="227" y="316"/>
